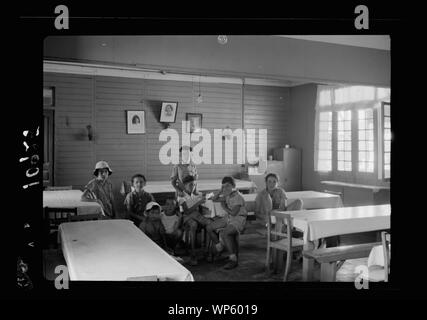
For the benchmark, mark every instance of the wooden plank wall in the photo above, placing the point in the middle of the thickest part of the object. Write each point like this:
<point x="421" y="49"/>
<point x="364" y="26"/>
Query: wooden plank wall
<point x="102" y="102"/>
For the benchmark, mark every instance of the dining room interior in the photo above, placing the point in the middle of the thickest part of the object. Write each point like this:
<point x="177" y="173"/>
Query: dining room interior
<point x="217" y="158"/>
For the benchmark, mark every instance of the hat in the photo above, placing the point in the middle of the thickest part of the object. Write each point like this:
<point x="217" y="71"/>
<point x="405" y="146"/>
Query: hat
<point x="102" y="165"/>
<point x="152" y="204"/>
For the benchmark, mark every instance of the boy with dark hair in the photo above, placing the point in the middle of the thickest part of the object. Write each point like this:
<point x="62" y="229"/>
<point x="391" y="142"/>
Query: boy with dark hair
<point x="192" y="219"/>
<point x="137" y="200"/>
<point x="231" y="224"/>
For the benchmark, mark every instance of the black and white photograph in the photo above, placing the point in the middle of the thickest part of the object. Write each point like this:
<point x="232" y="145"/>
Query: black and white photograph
<point x="168" y="112"/>
<point x="328" y="138"/>
<point x="194" y="122"/>
<point x="288" y="183"/>
<point x="135" y="121"/>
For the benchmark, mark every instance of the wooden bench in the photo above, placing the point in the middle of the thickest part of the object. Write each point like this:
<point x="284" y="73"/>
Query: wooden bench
<point x="331" y="259"/>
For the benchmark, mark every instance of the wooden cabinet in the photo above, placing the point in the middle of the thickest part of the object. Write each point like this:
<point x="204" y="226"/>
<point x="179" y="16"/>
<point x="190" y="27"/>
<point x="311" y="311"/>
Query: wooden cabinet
<point x="291" y="168"/>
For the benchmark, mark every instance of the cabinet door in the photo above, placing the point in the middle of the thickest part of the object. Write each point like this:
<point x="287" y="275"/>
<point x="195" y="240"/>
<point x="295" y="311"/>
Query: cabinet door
<point x="292" y="169"/>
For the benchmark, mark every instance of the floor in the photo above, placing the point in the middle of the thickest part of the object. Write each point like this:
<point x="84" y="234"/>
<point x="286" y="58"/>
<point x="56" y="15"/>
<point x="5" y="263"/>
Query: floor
<point x="251" y="262"/>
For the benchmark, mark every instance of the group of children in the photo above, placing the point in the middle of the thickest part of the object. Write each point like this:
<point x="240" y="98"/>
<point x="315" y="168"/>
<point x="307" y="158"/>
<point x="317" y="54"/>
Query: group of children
<point x="185" y="212"/>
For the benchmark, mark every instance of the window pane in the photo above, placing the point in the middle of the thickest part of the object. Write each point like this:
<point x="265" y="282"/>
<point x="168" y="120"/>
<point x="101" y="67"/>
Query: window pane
<point x="387" y="122"/>
<point x="387" y="158"/>
<point x="387" y="146"/>
<point x="347" y="125"/>
<point x="386" y="110"/>
<point x="347" y="166"/>
<point x="325" y="98"/>
<point x="325" y="116"/>
<point x="340" y="156"/>
<point x="347" y="146"/>
<point x="324" y="126"/>
<point x="370" y="167"/>
<point x="362" y="156"/>
<point x="362" y="166"/>
<point x="340" y="165"/>
<point x="362" y="124"/>
<point x="340" y="145"/>
<point x="347" y="156"/>
<point x="383" y="93"/>
<point x="362" y="135"/>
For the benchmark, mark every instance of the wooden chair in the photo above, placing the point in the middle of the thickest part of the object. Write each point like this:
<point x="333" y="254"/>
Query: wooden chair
<point x="52" y="218"/>
<point x="385" y="241"/>
<point x="57" y="188"/>
<point x="278" y="240"/>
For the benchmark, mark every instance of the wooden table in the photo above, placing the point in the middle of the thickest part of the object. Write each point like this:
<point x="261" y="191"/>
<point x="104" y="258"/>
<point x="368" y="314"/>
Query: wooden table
<point x="321" y="223"/>
<point x="154" y="187"/>
<point x="311" y="199"/>
<point x="116" y="250"/>
<point x="71" y="199"/>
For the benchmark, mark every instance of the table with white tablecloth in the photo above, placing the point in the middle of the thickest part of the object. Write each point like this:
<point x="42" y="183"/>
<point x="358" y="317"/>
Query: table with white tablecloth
<point x="322" y="223"/>
<point x="116" y="250"/>
<point x="71" y="199"/>
<point x="204" y="185"/>
<point x="311" y="199"/>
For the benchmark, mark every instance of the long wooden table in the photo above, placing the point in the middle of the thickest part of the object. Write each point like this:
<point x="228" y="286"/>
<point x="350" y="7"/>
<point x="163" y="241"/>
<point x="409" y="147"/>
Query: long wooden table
<point x="154" y="187"/>
<point x="116" y="250"/>
<point x="71" y="199"/>
<point x="322" y="223"/>
<point x="311" y="199"/>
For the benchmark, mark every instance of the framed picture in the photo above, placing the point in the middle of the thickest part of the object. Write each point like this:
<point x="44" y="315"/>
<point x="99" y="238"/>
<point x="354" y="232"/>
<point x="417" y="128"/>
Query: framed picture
<point x="168" y="112"/>
<point x="135" y="121"/>
<point x="195" y="120"/>
<point x="48" y="96"/>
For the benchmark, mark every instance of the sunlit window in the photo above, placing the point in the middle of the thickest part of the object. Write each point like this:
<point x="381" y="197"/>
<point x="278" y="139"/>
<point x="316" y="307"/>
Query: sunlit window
<point x="344" y="140"/>
<point x="324" y="162"/>
<point x="386" y="139"/>
<point x="366" y="140"/>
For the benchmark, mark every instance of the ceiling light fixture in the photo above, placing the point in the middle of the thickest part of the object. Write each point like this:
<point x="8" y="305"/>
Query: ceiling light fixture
<point x="222" y="39"/>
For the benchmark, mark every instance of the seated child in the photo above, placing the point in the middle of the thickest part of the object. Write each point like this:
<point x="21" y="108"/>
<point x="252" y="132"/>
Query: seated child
<point x="152" y="225"/>
<point x="171" y="219"/>
<point x="192" y="218"/>
<point x="274" y="198"/>
<point x="271" y="198"/>
<point x="185" y="168"/>
<point x="100" y="189"/>
<point x="137" y="200"/>
<point x="231" y="224"/>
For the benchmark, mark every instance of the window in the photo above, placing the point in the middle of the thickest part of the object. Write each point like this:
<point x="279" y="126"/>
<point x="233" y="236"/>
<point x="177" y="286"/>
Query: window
<point x="324" y="162"/>
<point x="386" y="139"/>
<point x="366" y="140"/>
<point x="344" y="140"/>
<point x="353" y="131"/>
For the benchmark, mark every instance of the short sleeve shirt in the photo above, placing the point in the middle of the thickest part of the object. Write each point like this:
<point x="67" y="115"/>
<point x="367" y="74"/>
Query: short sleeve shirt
<point x="103" y="190"/>
<point x="264" y="205"/>
<point x="235" y="199"/>
<point x="136" y="202"/>
<point x="169" y="222"/>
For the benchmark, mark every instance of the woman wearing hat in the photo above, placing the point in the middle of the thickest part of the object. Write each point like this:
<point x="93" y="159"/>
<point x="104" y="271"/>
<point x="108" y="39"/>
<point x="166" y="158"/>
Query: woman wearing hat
<point x="100" y="189"/>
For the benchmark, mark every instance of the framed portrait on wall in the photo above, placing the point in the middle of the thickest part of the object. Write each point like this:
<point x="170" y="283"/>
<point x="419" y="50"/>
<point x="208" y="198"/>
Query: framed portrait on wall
<point x="135" y="121"/>
<point x="195" y="122"/>
<point x="168" y="112"/>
